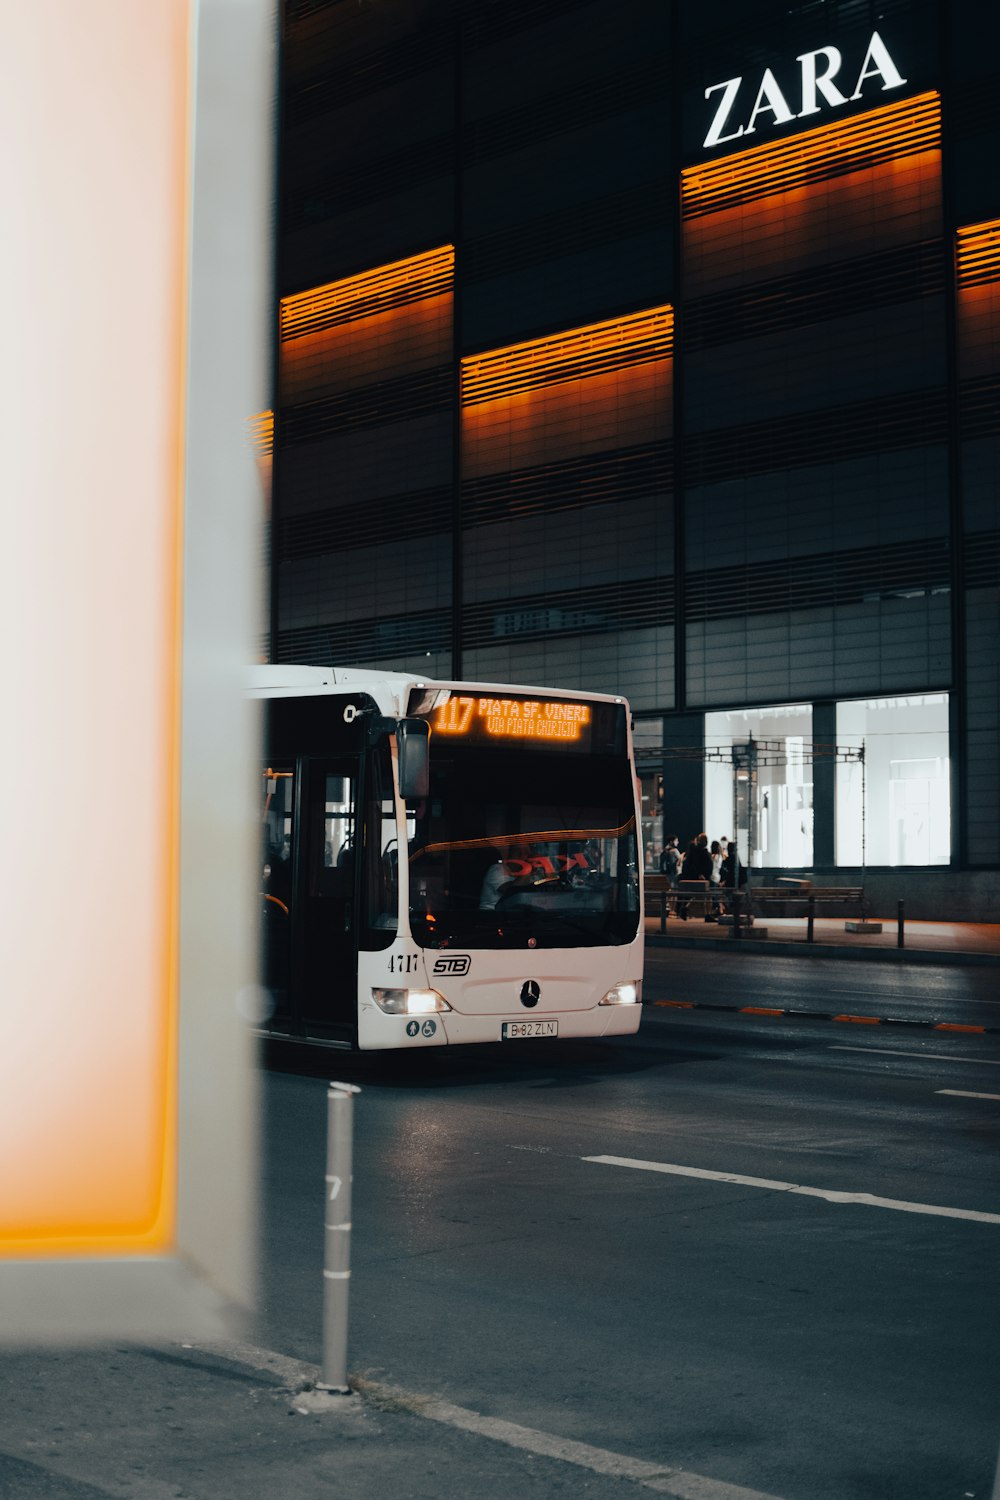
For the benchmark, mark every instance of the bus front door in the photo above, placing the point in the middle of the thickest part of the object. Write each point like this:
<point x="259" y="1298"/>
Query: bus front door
<point x="325" y="942"/>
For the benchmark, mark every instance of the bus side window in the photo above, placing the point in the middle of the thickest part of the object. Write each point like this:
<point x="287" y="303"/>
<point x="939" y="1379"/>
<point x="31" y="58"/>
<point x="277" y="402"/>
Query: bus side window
<point x="278" y="785"/>
<point x="335" y="875"/>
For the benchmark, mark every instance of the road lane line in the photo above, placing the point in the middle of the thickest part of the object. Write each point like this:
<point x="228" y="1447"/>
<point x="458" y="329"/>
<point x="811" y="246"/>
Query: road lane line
<point x="979" y="1062"/>
<point x="965" y="1094"/>
<point x="868" y="1200"/>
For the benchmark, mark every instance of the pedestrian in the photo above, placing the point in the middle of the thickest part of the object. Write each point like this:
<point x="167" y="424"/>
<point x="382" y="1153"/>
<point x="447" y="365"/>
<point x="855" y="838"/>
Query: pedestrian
<point x="715" y="879"/>
<point x="698" y="868"/>
<point x="671" y="863"/>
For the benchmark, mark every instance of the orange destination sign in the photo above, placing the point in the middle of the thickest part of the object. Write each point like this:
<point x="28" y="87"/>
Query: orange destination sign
<point x="547" y="720"/>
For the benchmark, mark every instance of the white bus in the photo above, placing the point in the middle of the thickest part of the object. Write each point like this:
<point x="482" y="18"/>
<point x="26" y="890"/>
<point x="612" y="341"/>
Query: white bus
<point x="446" y="861"/>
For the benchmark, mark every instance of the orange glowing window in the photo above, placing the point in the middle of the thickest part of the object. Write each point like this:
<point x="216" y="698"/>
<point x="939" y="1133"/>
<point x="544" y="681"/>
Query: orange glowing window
<point x="581" y="352"/>
<point x="977" y="253"/>
<point x="848" y="145"/>
<point x="375" y="291"/>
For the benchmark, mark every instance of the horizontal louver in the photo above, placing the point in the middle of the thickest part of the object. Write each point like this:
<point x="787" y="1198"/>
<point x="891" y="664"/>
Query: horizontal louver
<point x="559" y="112"/>
<point x="573" y="355"/>
<point x="591" y="479"/>
<point x="389" y="518"/>
<point x="430" y="274"/>
<point x="981" y="559"/>
<point x="484" y="21"/>
<point x="870" y="575"/>
<point x="364" y="75"/>
<point x="977" y="253"/>
<point x="354" y="187"/>
<point x="366" y="640"/>
<point x="834" y="291"/>
<point x="632" y="605"/>
<point x="374" y="405"/>
<point x="912" y="420"/>
<point x="973" y="110"/>
<point x="602" y="221"/>
<point x="979" y="405"/>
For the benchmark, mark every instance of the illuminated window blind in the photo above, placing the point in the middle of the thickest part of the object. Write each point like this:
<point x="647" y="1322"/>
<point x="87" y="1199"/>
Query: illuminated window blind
<point x="575" y="355"/>
<point x="428" y="275"/>
<point x="977" y="253"/>
<point x="878" y="135"/>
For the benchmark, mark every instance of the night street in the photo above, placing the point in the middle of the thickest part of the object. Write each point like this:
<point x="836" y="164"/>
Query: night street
<point x="809" y="1349"/>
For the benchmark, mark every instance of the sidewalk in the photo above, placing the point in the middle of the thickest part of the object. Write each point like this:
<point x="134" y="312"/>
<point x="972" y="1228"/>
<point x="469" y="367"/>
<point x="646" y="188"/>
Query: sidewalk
<point x="180" y="1422"/>
<point x="924" y="942"/>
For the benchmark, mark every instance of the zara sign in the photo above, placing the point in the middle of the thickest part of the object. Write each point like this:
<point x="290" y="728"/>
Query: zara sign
<point x="818" y="90"/>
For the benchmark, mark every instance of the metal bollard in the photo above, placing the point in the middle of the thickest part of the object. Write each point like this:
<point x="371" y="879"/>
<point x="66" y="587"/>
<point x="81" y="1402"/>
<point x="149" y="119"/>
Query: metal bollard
<point x="337" y="1240"/>
<point x="810" y="918"/>
<point x="899" y="924"/>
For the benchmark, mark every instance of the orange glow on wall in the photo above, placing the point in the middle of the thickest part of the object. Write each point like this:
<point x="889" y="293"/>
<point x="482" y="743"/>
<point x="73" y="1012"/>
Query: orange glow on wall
<point x="368" y="349"/>
<point x="611" y="410"/>
<point x="878" y="135"/>
<point x="261" y="431"/>
<point x="977" y="253"/>
<point x="977" y="258"/>
<point x="384" y="323"/>
<point x="427" y="275"/>
<point x="261" y="427"/>
<point x="580" y="353"/>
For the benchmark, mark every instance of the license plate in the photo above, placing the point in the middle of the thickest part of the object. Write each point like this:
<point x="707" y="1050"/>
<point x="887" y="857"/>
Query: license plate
<point x="512" y="1030"/>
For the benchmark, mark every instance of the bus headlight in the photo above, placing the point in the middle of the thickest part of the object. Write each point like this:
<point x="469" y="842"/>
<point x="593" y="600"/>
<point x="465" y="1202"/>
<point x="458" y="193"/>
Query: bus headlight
<point x="625" y="993"/>
<point x="409" y="1002"/>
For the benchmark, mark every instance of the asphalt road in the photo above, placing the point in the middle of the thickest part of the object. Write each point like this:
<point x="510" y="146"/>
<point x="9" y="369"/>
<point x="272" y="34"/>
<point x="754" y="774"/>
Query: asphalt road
<point x="799" y="1345"/>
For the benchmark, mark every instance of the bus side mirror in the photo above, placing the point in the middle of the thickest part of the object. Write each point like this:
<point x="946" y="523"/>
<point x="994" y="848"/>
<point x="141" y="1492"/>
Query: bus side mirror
<point x="413" y="742"/>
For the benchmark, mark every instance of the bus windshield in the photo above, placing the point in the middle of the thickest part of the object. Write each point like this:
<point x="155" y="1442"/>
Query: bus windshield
<point x="521" y="848"/>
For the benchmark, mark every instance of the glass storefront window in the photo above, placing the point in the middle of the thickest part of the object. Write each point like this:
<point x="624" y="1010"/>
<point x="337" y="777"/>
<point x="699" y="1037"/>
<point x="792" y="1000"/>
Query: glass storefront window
<point x="898" y="811"/>
<point x="768" y="792"/>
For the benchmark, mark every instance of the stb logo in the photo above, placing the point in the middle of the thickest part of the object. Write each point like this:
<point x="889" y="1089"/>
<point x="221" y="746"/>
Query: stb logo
<point x="453" y="963"/>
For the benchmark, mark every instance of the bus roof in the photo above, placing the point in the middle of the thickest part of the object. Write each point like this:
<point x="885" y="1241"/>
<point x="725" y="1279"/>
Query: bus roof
<point x="391" y="690"/>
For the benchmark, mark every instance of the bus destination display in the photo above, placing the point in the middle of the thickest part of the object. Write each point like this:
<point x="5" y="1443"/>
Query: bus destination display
<point x="532" y="720"/>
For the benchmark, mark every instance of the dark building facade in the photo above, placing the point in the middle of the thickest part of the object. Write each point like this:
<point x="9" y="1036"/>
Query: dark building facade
<point x="654" y="349"/>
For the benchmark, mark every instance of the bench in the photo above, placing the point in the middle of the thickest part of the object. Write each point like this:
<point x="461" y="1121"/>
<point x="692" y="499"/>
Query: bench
<point x="742" y="903"/>
<point x="804" y="893"/>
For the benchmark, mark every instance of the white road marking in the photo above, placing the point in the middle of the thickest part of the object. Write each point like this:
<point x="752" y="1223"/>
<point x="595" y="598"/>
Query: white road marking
<point x="965" y="1094"/>
<point x="662" y="1479"/>
<point x="984" y="1062"/>
<point x="869" y="1200"/>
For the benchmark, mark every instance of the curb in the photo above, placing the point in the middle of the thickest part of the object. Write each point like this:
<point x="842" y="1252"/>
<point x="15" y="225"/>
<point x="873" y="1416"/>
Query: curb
<point x="823" y="1015"/>
<point x="939" y="956"/>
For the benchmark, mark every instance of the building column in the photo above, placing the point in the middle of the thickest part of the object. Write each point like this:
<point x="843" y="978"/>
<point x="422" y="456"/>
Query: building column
<point x="683" y="775"/>
<point x="824" y="784"/>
